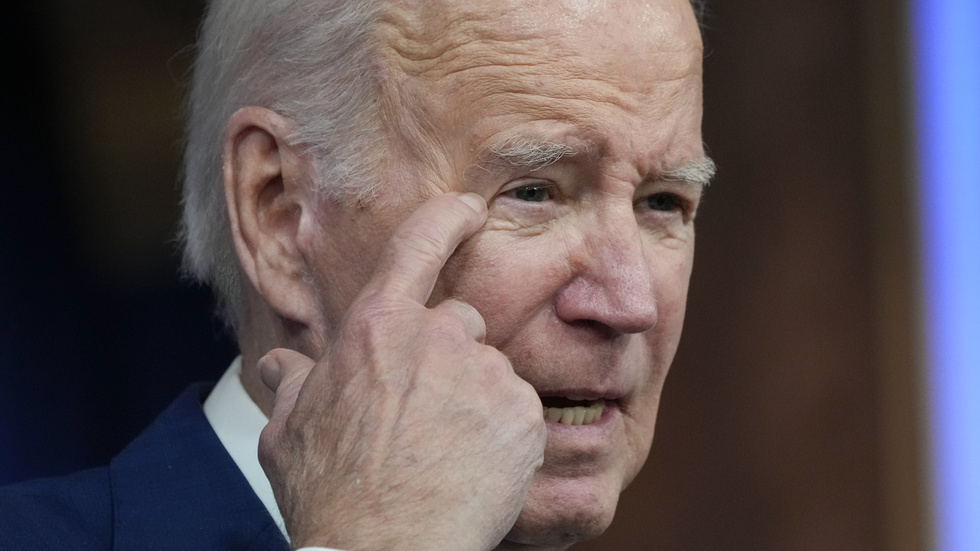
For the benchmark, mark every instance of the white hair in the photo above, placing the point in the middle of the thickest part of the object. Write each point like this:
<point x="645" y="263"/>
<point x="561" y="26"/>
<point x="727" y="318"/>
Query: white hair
<point x="530" y="153"/>
<point x="310" y="61"/>
<point x="699" y="172"/>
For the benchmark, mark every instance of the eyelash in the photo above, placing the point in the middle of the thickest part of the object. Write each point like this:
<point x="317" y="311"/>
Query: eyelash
<point x="537" y="187"/>
<point x="672" y="201"/>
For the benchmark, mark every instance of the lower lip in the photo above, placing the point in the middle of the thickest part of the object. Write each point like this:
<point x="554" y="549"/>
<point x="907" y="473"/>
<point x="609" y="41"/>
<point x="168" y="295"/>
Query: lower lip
<point x="571" y="447"/>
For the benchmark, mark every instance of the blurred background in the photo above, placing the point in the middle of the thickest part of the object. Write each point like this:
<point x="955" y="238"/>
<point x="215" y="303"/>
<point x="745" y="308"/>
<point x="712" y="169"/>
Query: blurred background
<point x="794" y="417"/>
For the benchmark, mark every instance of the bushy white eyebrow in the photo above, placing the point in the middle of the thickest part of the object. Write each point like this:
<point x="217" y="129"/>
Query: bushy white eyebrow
<point x="700" y="172"/>
<point x="534" y="154"/>
<point x="528" y="153"/>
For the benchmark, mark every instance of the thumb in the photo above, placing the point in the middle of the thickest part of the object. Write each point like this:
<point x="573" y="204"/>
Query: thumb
<point x="283" y="371"/>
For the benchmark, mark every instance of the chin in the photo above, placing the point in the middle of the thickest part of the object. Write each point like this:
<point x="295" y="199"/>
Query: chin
<point x="560" y="512"/>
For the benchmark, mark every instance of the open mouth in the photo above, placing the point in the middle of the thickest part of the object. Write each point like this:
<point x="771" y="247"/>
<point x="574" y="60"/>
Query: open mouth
<point x="572" y="410"/>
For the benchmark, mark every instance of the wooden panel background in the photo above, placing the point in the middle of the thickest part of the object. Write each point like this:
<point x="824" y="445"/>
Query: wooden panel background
<point x="790" y="418"/>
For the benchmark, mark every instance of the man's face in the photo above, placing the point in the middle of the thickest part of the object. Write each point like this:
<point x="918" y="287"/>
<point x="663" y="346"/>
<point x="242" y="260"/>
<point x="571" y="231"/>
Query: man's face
<point x="568" y="117"/>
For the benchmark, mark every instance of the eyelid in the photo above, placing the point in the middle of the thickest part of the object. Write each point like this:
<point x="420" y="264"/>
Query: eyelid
<point x="684" y="205"/>
<point x="685" y="191"/>
<point x="646" y="197"/>
<point x="510" y="188"/>
<point x="525" y="183"/>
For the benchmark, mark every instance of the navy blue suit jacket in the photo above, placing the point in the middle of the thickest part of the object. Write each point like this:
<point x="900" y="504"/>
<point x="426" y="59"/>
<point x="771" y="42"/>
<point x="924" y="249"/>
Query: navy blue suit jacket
<point x="174" y="487"/>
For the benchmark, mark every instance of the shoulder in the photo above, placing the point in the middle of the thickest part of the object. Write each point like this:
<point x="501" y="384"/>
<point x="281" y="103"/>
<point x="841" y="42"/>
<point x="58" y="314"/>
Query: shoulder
<point x="176" y="486"/>
<point x="70" y="512"/>
<point x="173" y="487"/>
<point x="81" y="510"/>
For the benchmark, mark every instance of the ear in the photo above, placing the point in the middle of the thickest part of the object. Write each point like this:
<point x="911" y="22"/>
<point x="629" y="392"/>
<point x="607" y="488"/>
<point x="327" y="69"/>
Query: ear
<point x="267" y="190"/>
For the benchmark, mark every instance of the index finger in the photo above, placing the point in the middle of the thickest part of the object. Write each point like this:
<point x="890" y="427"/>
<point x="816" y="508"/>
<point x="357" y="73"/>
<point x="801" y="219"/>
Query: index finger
<point x="421" y="245"/>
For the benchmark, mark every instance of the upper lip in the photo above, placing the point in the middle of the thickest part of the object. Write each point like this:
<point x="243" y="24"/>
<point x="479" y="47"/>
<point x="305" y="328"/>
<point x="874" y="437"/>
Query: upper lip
<point x="582" y="394"/>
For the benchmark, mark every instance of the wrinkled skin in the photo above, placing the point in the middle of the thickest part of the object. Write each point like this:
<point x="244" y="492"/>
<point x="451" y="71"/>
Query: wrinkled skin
<point x="574" y="285"/>
<point x="398" y="475"/>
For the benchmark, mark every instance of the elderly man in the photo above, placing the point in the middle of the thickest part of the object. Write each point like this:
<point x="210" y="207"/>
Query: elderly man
<point x="478" y="219"/>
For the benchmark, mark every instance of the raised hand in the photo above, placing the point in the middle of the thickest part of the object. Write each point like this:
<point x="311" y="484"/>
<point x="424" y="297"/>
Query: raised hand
<point x="411" y="433"/>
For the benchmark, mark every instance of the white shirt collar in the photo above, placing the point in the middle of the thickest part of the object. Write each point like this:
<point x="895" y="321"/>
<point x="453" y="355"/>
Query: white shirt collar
<point x="238" y="421"/>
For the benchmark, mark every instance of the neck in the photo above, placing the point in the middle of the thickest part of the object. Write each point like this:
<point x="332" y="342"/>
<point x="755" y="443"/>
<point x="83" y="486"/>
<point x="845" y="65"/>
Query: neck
<point x="262" y="331"/>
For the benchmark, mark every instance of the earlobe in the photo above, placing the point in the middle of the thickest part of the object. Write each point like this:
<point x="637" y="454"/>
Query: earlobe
<point x="266" y="182"/>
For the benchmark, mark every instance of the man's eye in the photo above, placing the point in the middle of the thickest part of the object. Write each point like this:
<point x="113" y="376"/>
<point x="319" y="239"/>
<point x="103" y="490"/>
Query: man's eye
<point x="664" y="202"/>
<point x="531" y="194"/>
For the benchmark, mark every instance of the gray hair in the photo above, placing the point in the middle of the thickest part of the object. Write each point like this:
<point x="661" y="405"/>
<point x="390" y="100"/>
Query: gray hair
<point x="311" y="61"/>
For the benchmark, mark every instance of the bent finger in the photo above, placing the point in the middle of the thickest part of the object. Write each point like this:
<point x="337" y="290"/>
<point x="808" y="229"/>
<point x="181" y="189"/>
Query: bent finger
<point x="421" y="245"/>
<point x="476" y="326"/>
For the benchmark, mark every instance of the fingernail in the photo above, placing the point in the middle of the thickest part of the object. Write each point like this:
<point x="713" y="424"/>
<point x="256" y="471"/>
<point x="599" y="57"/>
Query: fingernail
<point x="474" y="201"/>
<point x="270" y="371"/>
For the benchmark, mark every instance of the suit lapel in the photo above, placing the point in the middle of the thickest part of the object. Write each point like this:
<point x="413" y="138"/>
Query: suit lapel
<point x="175" y="487"/>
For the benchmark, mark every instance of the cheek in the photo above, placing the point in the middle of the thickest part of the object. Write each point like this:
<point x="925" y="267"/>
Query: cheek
<point x="672" y="284"/>
<point x="659" y="345"/>
<point x="508" y="280"/>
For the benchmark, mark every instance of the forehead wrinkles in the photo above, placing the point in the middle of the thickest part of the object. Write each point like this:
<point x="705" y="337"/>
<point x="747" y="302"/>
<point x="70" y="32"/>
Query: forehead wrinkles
<point x="538" y="59"/>
<point x="514" y="50"/>
<point x="434" y="39"/>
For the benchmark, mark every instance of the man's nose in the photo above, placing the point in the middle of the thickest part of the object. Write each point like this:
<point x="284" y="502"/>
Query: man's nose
<point x="612" y="281"/>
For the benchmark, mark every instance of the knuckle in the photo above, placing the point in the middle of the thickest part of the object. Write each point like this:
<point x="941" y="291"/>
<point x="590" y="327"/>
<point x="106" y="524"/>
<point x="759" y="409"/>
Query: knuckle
<point x="269" y="443"/>
<point x="444" y="324"/>
<point x="530" y="402"/>
<point x="457" y="305"/>
<point x="497" y="368"/>
<point x="370" y="319"/>
<point x="464" y="310"/>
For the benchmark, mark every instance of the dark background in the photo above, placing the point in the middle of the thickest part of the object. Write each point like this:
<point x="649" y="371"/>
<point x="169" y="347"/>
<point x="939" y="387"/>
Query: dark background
<point x="790" y="418"/>
<point x="97" y="332"/>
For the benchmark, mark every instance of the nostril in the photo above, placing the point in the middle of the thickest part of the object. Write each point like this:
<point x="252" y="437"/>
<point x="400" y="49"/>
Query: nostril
<point x="600" y="329"/>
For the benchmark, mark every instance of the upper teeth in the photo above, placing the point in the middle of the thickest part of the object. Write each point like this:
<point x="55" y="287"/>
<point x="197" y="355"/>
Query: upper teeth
<point x="578" y="415"/>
